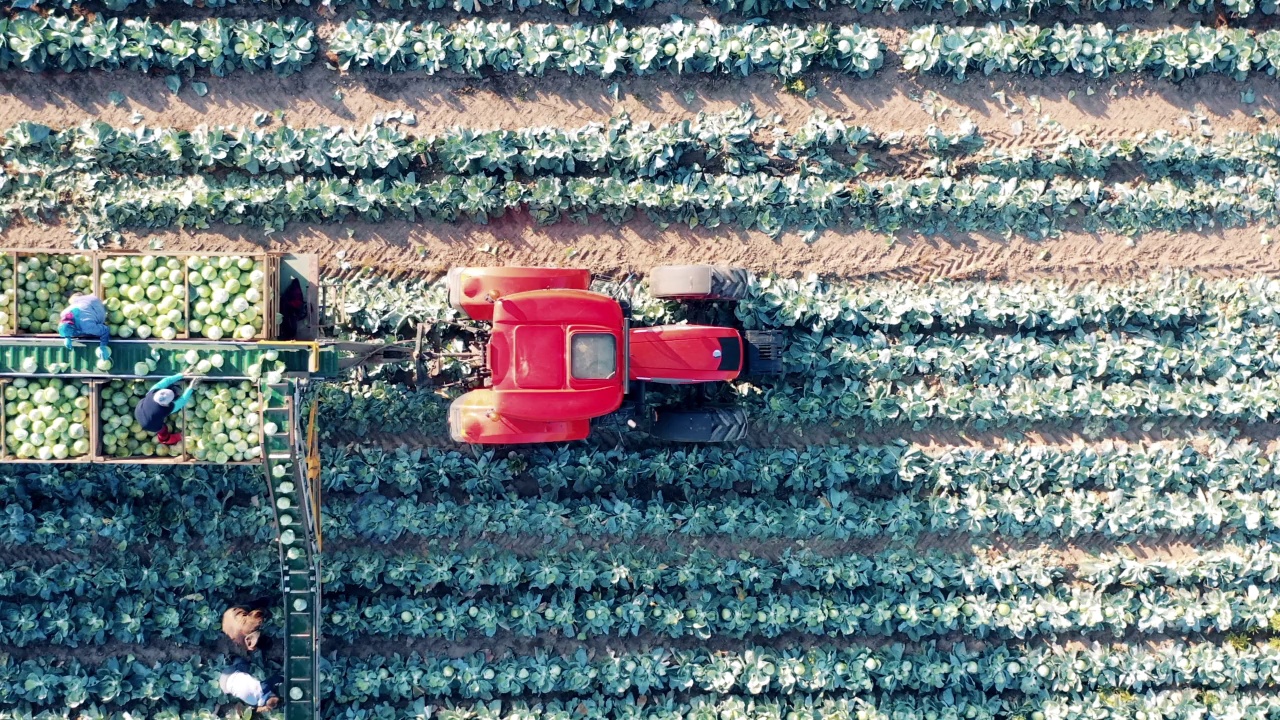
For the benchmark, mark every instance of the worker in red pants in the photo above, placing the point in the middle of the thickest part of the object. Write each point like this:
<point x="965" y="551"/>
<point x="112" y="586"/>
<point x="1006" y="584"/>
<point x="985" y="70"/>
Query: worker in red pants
<point x="159" y="404"/>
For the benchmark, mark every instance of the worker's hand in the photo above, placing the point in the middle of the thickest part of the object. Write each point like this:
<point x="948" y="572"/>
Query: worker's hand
<point x="104" y="353"/>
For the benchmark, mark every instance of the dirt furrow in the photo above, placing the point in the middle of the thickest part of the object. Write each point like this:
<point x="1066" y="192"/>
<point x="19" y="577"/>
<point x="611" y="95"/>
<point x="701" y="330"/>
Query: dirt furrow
<point x="892" y="100"/>
<point x="431" y="248"/>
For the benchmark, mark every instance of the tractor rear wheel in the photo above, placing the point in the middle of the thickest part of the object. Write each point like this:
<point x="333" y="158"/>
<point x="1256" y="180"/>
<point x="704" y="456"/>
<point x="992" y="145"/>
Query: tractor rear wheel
<point x="699" y="282"/>
<point x="704" y="425"/>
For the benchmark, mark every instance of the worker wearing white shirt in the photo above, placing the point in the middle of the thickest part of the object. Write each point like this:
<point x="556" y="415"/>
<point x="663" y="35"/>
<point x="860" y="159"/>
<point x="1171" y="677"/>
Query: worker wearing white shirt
<point x="237" y="680"/>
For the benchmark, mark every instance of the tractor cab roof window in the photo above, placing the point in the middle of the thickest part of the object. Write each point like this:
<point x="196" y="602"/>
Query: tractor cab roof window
<point x="594" y="356"/>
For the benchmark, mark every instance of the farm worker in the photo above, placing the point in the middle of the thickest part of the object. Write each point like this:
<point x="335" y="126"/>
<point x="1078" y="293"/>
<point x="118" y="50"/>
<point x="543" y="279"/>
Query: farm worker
<point x="243" y="625"/>
<point x="86" y="316"/>
<point x="238" y="680"/>
<point x="159" y="404"/>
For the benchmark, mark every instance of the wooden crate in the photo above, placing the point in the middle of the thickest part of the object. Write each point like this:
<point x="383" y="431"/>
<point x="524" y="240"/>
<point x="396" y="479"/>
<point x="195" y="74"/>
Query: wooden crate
<point x="15" y="256"/>
<point x="92" y="426"/>
<point x="270" y="290"/>
<point x="99" y="451"/>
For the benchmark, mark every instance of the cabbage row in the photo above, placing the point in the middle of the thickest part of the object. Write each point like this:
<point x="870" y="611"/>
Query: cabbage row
<point x="1212" y="354"/>
<point x="760" y="8"/>
<point x="358" y="409"/>
<point x="857" y="404"/>
<point x="732" y="141"/>
<point x="1166" y="705"/>
<point x="1091" y="50"/>
<point x="1161" y="304"/>
<point x="488" y="567"/>
<point x="708" y="471"/>
<point x="104" y="206"/>
<point x="915" y="613"/>
<point x="1033" y="671"/>
<point x="1203" y="514"/>
<point x="1179" y="704"/>
<point x="1019" y="402"/>
<point x="835" y="516"/>
<point x="38" y="43"/>
<point x="679" y="46"/>
<point x="683" y="47"/>
<point x="483" y="567"/>
<point x="122" y="179"/>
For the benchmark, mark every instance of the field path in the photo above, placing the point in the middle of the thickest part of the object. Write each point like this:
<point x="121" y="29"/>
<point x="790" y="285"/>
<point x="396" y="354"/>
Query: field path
<point x="402" y="247"/>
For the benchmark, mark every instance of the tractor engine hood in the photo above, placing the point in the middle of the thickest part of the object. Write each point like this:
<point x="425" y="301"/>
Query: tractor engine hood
<point x="679" y="354"/>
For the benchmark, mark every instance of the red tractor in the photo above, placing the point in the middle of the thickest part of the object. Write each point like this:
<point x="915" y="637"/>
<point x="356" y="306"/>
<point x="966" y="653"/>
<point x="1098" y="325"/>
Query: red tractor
<point x="559" y="355"/>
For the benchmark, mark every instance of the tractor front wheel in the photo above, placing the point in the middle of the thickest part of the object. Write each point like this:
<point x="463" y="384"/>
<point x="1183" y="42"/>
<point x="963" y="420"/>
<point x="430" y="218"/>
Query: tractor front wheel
<point x="699" y="282"/>
<point x="704" y="425"/>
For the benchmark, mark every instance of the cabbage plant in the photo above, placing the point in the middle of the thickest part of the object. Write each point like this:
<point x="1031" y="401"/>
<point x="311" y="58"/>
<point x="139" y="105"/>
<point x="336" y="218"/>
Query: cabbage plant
<point x="227" y="297"/>
<point x="122" y="434"/>
<point x="46" y="281"/>
<point x="46" y="419"/>
<point x="145" y="296"/>
<point x="223" y="422"/>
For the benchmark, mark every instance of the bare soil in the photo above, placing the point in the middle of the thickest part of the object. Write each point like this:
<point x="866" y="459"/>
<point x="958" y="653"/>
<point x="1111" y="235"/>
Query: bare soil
<point x="431" y="248"/>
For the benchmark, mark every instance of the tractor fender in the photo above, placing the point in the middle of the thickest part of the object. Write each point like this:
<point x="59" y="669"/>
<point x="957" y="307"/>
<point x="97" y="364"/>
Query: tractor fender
<point x="474" y="290"/>
<point x="474" y="418"/>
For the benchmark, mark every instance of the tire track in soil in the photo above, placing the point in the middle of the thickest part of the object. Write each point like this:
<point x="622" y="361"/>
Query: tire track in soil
<point x="429" y="248"/>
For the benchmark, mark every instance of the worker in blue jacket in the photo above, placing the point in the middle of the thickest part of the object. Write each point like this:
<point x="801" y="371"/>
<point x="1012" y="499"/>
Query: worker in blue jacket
<point x="158" y="404"/>
<point x="86" y="316"/>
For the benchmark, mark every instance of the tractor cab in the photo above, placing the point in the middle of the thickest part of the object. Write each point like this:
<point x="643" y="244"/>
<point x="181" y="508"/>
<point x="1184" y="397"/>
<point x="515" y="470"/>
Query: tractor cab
<point x="559" y="355"/>
<point x="555" y="359"/>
